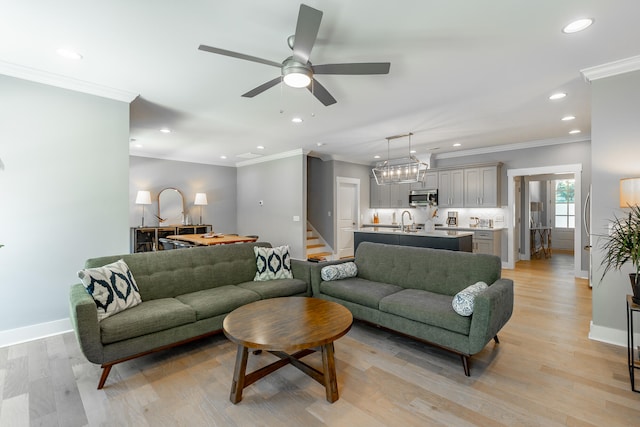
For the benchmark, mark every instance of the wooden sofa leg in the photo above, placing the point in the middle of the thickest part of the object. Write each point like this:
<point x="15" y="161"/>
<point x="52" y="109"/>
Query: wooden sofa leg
<point x="105" y="373"/>
<point x="496" y="339"/>
<point x="465" y="364"/>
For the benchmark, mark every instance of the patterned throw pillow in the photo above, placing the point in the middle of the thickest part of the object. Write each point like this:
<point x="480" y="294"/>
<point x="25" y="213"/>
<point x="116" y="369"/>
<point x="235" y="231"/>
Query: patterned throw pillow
<point x="272" y="263"/>
<point x="463" y="301"/>
<point x="339" y="271"/>
<point x="112" y="287"/>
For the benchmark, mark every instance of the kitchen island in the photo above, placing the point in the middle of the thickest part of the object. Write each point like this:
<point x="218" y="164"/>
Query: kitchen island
<point x="439" y="239"/>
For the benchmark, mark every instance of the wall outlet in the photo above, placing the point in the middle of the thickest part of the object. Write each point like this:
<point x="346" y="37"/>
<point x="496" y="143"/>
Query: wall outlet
<point x="329" y="213"/>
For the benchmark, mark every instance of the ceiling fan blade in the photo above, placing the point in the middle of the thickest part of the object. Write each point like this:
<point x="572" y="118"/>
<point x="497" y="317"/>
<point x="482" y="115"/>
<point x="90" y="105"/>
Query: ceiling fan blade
<point x="238" y="55"/>
<point x="353" y="69"/>
<point x="263" y="87"/>
<point x="306" y="33"/>
<point x="321" y="93"/>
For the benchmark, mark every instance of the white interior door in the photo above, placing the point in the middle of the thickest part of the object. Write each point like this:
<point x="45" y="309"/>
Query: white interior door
<point x="348" y="212"/>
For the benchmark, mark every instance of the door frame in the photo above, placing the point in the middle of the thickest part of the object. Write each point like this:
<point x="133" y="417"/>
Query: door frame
<point x="352" y="181"/>
<point x="576" y="169"/>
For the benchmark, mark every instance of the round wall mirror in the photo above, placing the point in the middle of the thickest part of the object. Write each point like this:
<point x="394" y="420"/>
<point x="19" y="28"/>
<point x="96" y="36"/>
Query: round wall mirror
<point x="170" y="207"/>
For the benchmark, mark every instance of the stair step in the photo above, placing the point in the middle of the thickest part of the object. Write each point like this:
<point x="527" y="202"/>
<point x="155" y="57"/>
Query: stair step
<point x="319" y="245"/>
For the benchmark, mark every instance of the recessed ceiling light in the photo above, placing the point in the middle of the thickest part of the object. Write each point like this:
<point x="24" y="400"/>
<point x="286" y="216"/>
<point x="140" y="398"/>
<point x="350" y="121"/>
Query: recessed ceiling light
<point x="138" y="145"/>
<point x="260" y="147"/>
<point x="69" y="54"/>
<point x="297" y="120"/>
<point x="577" y="25"/>
<point x="558" y="95"/>
<point x="412" y="151"/>
<point x="567" y="118"/>
<point x="457" y="144"/>
<point x="376" y="157"/>
<point x="165" y="130"/>
<point x="223" y="157"/>
<point x="572" y="132"/>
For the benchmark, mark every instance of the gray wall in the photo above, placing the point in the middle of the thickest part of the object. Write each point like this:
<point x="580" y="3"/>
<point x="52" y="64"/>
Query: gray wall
<point x="218" y="182"/>
<point x="320" y="197"/>
<point x="551" y="155"/>
<point x="281" y="185"/>
<point x="615" y="132"/>
<point x="321" y="193"/>
<point x="64" y="194"/>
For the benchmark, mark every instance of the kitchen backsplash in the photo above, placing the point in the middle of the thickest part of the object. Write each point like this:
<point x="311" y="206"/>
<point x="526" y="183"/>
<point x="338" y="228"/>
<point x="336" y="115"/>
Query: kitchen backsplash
<point x="422" y="215"/>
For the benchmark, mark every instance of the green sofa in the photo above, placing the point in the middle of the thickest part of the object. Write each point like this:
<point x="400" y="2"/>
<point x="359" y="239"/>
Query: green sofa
<point x="186" y="294"/>
<point x="410" y="290"/>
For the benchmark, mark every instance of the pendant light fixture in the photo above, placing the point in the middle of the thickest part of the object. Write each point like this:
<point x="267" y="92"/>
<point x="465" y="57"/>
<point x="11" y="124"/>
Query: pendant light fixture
<point x="402" y="170"/>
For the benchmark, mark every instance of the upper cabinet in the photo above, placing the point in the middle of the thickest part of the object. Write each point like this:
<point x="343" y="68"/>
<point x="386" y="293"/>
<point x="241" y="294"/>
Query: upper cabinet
<point x="451" y="188"/>
<point x="481" y="187"/>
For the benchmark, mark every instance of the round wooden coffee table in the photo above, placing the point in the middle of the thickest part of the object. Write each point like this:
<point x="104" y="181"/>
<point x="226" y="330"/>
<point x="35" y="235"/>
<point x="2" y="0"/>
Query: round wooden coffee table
<point x="282" y="326"/>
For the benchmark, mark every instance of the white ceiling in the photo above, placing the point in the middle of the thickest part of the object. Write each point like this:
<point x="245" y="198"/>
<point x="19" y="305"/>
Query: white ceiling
<point x="474" y="72"/>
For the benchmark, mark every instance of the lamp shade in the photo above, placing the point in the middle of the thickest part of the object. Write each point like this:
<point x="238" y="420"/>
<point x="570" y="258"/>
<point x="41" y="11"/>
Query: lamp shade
<point x="143" y="198"/>
<point x="629" y="192"/>
<point x="201" y="199"/>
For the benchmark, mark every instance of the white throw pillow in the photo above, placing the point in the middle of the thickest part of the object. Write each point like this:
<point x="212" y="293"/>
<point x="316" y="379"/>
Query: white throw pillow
<point x="463" y="301"/>
<point x="272" y="263"/>
<point x="339" y="271"/>
<point x="112" y="287"/>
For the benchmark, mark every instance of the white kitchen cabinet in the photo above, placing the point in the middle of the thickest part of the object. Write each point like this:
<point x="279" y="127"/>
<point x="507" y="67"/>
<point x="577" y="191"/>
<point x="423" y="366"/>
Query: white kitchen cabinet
<point x="481" y="187"/>
<point x="378" y="195"/>
<point x="451" y="188"/>
<point x="487" y="242"/>
<point x="399" y="195"/>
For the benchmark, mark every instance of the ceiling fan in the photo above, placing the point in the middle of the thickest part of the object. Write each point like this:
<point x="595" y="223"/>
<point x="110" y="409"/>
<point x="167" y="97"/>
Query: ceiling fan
<point x="297" y="71"/>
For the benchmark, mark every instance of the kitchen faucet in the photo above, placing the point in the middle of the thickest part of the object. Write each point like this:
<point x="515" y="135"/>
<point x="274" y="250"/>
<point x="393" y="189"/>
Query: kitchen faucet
<point x="402" y="219"/>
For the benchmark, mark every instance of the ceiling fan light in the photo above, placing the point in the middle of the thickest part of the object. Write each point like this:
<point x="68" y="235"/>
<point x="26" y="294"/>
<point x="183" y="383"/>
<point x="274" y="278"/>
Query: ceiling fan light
<point x="297" y="80"/>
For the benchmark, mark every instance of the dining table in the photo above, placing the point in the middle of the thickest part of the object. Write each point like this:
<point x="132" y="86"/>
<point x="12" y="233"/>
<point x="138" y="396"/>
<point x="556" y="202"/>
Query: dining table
<point x="208" y="239"/>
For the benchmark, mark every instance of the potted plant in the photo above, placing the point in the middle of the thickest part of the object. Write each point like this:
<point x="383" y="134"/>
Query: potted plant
<point x="621" y="245"/>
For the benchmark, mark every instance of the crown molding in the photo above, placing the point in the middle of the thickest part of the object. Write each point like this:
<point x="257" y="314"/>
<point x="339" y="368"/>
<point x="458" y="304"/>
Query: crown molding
<point x="283" y="155"/>
<point x="611" y="69"/>
<point x="516" y="146"/>
<point x="64" y="82"/>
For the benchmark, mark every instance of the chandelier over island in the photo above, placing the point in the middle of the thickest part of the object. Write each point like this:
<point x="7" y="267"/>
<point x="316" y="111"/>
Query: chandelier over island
<point x="404" y="170"/>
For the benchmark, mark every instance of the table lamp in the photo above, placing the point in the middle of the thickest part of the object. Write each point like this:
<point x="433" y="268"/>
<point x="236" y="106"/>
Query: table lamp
<point x="201" y="200"/>
<point x="143" y="198"/>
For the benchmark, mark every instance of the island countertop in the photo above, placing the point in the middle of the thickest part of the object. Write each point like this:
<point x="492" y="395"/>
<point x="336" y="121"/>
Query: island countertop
<point x="449" y="234"/>
<point x="438" y="239"/>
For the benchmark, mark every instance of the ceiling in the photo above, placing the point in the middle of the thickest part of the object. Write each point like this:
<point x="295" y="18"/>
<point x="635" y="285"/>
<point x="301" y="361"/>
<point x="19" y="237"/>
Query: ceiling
<point x="477" y="73"/>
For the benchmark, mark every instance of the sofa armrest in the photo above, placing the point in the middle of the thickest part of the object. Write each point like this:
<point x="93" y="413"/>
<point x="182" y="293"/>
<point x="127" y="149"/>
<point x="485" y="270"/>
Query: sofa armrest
<point x="84" y="318"/>
<point x="302" y="270"/>
<point x="315" y="270"/>
<point x="492" y="309"/>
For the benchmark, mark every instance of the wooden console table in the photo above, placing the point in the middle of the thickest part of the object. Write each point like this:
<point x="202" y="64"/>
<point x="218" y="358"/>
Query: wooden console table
<point x="147" y="239"/>
<point x="540" y="241"/>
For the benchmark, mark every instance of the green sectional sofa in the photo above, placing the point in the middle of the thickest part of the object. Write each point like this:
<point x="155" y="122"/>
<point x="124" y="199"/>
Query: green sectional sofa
<point x="186" y="295"/>
<point x="410" y="290"/>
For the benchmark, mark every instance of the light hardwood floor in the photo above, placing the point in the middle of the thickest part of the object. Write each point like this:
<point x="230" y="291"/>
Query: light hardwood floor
<point x="544" y="372"/>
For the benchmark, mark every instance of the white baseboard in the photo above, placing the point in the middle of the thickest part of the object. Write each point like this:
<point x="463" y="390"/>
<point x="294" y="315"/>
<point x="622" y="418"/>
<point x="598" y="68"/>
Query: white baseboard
<point x="34" y="332"/>
<point x="610" y="336"/>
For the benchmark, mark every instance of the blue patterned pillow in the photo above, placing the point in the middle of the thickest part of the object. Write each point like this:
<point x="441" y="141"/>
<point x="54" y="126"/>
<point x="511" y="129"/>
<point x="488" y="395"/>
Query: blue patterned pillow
<point x="112" y="287"/>
<point x="339" y="271"/>
<point x="463" y="301"/>
<point x="272" y="263"/>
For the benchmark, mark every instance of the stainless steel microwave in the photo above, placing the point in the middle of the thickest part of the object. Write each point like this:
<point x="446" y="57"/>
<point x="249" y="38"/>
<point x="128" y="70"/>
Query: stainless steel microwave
<point x="423" y="197"/>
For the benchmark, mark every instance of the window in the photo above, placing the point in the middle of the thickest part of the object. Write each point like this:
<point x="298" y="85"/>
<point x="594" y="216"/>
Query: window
<point x="565" y="215"/>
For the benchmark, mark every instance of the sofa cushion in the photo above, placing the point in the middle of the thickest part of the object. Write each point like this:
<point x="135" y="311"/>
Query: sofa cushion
<point x="360" y="291"/>
<point x="276" y="288"/>
<point x="112" y="287"/>
<point x="146" y="318"/>
<point x="462" y="302"/>
<point x="216" y="301"/>
<point x="339" y="271"/>
<point x="426" y="307"/>
<point x="272" y="263"/>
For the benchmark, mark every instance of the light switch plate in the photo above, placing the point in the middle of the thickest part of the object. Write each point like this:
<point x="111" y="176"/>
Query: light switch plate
<point x="296" y="218"/>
